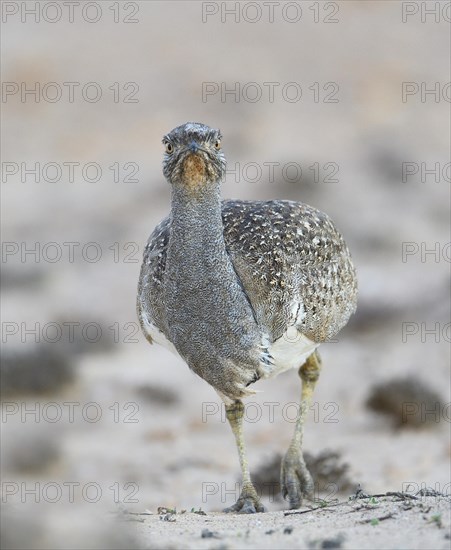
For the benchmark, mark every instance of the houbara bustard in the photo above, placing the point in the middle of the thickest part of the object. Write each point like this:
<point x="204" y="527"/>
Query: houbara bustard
<point x="223" y="282"/>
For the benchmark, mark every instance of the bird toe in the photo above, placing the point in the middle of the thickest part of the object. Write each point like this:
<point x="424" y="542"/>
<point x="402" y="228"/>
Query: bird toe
<point x="247" y="504"/>
<point x="296" y="481"/>
<point x="251" y="506"/>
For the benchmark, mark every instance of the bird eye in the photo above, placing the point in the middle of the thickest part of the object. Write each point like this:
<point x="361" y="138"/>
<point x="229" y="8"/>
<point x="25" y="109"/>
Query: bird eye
<point x="218" y="144"/>
<point x="168" y="147"/>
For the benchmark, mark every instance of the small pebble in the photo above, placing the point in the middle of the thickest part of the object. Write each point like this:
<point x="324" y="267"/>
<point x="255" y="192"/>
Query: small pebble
<point x="207" y="534"/>
<point x="168" y="517"/>
<point x="333" y="543"/>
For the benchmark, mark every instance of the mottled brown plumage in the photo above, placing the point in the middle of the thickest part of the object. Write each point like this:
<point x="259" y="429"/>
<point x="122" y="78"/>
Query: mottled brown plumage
<point x="288" y="256"/>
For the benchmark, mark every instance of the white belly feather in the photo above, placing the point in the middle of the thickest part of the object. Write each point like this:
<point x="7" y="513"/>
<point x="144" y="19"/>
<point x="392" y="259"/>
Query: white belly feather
<point x="156" y="334"/>
<point x="290" y="351"/>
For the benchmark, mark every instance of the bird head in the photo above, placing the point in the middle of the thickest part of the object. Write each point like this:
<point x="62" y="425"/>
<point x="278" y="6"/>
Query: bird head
<point x="193" y="157"/>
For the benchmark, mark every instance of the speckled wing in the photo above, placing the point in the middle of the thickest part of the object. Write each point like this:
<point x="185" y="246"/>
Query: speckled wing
<point x="293" y="264"/>
<point x="150" y="305"/>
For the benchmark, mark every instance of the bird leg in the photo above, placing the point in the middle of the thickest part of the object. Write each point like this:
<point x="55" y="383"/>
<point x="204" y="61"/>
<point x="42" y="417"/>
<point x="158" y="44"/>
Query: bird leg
<point x="295" y="480"/>
<point x="248" y="502"/>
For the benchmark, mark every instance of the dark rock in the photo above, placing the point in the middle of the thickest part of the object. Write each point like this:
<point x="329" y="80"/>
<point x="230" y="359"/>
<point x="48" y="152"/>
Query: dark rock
<point x="408" y="402"/>
<point x="37" y="369"/>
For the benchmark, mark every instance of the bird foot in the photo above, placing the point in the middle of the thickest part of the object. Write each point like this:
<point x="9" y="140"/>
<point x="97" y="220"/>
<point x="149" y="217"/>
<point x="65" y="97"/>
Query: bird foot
<point x="248" y="503"/>
<point x="295" y="480"/>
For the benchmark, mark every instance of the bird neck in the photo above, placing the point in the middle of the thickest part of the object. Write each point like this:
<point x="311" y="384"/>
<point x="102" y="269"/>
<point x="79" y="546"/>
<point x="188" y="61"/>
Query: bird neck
<point x="196" y="219"/>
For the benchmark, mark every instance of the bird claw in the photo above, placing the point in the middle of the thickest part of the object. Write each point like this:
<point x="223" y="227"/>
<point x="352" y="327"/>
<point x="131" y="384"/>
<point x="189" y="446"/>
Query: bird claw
<point x="248" y="503"/>
<point x="295" y="480"/>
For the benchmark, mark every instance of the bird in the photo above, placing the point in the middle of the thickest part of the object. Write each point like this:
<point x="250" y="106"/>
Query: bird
<point x="243" y="290"/>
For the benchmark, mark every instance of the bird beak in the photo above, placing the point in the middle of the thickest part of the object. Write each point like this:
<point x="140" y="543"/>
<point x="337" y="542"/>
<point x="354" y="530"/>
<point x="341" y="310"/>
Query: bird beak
<point x="193" y="147"/>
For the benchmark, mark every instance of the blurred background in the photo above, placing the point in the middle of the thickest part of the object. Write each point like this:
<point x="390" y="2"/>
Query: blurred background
<point x="342" y="105"/>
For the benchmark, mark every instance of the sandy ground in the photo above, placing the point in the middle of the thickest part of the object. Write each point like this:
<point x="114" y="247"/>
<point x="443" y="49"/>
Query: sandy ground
<point x="144" y="432"/>
<point x="353" y="525"/>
